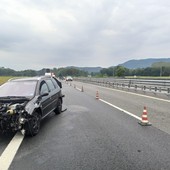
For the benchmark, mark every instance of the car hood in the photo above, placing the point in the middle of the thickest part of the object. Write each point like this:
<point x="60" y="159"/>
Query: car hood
<point x="14" y="99"/>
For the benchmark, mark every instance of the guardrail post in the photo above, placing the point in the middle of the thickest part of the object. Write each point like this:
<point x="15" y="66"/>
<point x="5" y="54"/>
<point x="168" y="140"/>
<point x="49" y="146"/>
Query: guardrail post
<point x="108" y="83"/>
<point x="144" y="87"/>
<point x="168" y="90"/>
<point x="113" y="85"/>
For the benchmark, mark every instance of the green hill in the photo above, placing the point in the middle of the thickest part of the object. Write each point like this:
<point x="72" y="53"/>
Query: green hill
<point x="143" y="63"/>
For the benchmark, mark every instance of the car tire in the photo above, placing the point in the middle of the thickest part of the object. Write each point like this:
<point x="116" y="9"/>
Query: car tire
<point x="33" y="125"/>
<point x="58" y="109"/>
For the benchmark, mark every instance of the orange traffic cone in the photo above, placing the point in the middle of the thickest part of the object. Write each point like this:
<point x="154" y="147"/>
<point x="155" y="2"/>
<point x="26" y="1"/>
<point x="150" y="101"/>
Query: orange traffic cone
<point x="97" y="95"/>
<point x="144" y="119"/>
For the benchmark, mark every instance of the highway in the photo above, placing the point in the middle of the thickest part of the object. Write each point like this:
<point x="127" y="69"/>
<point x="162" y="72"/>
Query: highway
<point x="97" y="134"/>
<point x="157" y="104"/>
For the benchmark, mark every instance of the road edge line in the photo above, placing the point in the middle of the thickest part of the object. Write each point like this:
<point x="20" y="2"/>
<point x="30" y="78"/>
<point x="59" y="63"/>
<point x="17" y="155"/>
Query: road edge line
<point x="10" y="151"/>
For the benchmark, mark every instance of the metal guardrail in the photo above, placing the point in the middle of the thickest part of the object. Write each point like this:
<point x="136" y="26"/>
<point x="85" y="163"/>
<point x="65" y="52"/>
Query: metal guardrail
<point x="161" y="86"/>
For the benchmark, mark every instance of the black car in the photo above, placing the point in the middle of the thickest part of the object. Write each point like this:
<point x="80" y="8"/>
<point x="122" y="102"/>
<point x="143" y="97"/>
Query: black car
<point x="24" y="102"/>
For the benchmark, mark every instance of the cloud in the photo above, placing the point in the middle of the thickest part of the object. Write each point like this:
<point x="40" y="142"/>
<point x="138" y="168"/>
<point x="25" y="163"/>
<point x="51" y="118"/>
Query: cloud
<point x="38" y="34"/>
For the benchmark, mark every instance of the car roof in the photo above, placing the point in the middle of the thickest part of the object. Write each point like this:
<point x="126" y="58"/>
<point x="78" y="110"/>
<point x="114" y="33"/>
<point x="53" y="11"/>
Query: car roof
<point x="37" y="78"/>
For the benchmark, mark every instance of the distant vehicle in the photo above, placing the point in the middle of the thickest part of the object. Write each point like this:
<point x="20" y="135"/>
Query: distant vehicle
<point x="24" y="102"/>
<point x="69" y="78"/>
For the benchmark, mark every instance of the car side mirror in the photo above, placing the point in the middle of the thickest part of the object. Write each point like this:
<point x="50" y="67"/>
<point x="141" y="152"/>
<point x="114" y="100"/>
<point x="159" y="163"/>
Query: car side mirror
<point x="40" y="97"/>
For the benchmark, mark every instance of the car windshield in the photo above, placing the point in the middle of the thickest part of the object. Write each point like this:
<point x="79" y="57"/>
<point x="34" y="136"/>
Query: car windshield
<point x="18" y="88"/>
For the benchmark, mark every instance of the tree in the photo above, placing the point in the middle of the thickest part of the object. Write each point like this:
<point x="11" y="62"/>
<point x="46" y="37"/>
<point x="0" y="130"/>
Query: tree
<point x="107" y="71"/>
<point x="120" y="71"/>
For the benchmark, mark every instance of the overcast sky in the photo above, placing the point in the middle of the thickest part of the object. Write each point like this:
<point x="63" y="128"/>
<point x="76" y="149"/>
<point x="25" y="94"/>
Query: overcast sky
<point x="36" y="34"/>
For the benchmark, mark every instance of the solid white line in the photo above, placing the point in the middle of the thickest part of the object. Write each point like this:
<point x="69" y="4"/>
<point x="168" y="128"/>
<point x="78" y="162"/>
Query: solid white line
<point x="121" y="109"/>
<point x="10" y="151"/>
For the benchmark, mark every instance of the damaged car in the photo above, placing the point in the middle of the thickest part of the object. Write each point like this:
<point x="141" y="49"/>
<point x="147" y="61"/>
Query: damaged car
<point x="24" y="102"/>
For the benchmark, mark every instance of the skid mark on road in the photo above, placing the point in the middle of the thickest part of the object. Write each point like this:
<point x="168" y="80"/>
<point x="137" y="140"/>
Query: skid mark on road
<point x="10" y="151"/>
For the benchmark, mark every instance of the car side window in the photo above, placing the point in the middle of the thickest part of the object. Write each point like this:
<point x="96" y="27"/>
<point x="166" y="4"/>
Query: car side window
<point x="43" y="88"/>
<point x="50" y="85"/>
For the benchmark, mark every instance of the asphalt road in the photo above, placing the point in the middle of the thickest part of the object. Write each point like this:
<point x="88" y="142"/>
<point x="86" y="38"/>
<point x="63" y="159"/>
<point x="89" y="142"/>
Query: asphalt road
<point x="90" y="135"/>
<point x="158" y="105"/>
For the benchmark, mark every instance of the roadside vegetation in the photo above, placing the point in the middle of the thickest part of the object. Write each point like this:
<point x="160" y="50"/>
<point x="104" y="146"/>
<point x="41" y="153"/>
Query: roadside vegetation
<point x="157" y="70"/>
<point x="71" y="71"/>
<point x="3" y="79"/>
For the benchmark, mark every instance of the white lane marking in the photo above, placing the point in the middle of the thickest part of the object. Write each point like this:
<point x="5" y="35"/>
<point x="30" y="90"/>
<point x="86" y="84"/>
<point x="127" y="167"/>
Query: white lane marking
<point x="10" y="151"/>
<point x="141" y="95"/>
<point x="121" y="109"/>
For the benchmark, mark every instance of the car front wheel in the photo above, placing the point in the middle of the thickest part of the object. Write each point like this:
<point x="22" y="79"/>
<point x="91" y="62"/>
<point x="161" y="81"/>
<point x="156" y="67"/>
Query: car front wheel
<point x="33" y="125"/>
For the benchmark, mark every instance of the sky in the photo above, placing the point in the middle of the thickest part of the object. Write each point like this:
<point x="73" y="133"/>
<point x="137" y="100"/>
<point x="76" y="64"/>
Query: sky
<point x="36" y="34"/>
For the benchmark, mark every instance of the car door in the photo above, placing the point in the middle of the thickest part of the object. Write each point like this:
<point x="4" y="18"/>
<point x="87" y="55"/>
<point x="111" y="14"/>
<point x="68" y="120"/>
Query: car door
<point x="53" y="93"/>
<point x="46" y="100"/>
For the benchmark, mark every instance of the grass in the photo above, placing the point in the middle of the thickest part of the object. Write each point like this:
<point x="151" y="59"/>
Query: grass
<point x="3" y="79"/>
